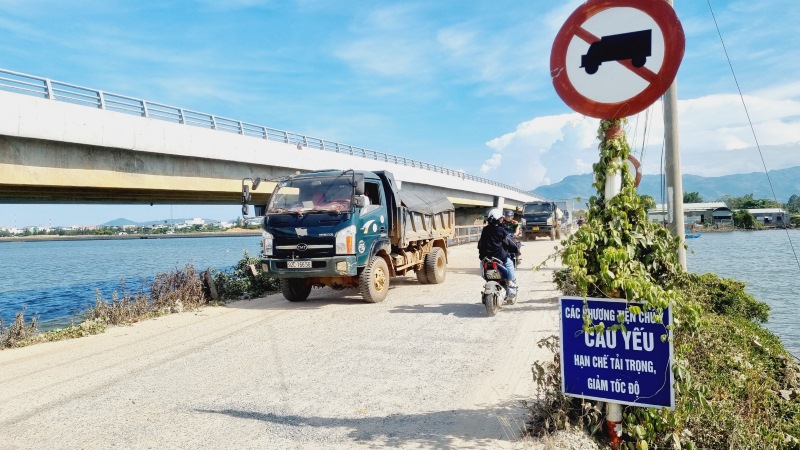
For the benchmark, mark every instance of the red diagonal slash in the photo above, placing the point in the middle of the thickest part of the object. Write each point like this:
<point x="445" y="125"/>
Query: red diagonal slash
<point x="647" y="74"/>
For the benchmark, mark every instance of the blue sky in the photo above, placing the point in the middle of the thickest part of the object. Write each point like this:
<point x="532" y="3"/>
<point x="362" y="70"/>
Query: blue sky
<point x="461" y="83"/>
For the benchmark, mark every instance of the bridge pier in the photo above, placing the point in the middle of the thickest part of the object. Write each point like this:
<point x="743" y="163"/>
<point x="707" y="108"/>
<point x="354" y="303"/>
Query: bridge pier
<point x="498" y="201"/>
<point x="470" y="215"/>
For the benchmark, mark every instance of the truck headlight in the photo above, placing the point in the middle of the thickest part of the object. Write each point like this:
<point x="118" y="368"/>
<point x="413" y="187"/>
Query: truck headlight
<point x="523" y="222"/>
<point x="550" y="221"/>
<point x="345" y="241"/>
<point x="266" y="243"/>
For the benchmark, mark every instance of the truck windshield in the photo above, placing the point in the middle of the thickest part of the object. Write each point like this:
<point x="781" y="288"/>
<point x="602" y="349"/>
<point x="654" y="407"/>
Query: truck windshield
<point x="312" y="195"/>
<point x="535" y="208"/>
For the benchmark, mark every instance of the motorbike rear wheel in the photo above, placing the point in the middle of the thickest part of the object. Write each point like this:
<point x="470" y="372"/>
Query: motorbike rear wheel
<point x="489" y="300"/>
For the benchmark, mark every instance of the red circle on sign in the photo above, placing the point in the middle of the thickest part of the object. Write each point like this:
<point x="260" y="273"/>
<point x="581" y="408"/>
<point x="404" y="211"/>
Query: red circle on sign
<point x="637" y="169"/>
<point x="674" y="43"/>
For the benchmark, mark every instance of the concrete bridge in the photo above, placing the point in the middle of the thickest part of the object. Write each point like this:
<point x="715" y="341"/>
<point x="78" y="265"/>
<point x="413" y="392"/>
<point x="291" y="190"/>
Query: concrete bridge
<point x="63" y="143"/>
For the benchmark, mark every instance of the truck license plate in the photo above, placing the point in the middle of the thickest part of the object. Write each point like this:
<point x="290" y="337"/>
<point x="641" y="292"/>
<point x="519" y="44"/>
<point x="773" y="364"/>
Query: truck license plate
<point x="535" y="228"/>
<point x="298" y="264"/>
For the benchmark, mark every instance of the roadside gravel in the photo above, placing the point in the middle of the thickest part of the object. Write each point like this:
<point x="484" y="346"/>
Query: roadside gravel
<point x="424" y="369"/>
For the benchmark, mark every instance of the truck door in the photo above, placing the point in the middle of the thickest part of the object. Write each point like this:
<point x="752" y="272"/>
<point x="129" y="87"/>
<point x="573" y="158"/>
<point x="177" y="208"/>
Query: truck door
<point x="374" y="220"/>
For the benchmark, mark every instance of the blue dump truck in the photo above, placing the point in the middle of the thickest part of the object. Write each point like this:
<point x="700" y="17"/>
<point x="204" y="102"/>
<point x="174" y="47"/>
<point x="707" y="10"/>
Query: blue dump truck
<point x="352" y="229"/>
<point x="541" y="219"/>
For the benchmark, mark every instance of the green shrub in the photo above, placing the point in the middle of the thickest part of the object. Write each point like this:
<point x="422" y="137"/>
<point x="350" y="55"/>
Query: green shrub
<point x="244" y="280"/>
<point x="723" y="296"/>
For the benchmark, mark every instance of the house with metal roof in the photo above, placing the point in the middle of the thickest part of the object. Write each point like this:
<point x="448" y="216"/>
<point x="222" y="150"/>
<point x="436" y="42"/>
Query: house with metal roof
<point x="771" y="217"/>
<point x="708" y="213"/>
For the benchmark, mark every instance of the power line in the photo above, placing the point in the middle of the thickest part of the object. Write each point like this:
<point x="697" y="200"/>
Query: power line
<point x="752" y="129"/>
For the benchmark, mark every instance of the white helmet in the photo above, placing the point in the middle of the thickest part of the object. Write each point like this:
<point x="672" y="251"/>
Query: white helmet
<point x="494" y="216"/>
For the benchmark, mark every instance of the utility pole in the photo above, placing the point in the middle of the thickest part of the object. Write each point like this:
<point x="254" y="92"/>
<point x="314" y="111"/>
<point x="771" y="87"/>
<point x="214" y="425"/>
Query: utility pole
<point x="672" y="163"/>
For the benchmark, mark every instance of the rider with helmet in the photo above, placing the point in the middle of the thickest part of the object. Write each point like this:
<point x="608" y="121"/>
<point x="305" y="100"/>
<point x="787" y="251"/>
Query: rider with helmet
<point x="510" y="225"/>
<point x="497" y="243"/>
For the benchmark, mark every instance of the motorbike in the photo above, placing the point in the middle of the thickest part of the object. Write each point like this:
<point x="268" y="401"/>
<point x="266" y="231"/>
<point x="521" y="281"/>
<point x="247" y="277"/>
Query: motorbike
<point x="496" y="291"/>
<point x="516" y="256"/>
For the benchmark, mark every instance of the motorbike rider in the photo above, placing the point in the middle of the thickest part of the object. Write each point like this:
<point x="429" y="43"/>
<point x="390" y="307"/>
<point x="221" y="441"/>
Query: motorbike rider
<point x="497" y="243"/>
<point x="510" y="225"/>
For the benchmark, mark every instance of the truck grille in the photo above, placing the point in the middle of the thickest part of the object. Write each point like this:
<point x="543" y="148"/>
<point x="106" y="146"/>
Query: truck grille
<point x="296" y="248"/>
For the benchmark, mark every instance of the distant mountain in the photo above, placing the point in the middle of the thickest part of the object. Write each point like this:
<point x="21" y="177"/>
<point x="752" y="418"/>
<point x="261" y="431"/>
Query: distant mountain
<point x="786" y="183"/>
<point x="119" y="223"/>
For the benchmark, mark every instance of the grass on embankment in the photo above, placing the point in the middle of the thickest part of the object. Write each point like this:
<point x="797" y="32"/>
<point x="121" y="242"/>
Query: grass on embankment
<point x="170" y="292"/>
<point x="736" y="386"/>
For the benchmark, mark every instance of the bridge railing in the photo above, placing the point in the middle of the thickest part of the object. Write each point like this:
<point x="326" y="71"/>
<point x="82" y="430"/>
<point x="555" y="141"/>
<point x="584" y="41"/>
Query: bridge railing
<point x="56" y="90"/>
<point x="465" y="234"/>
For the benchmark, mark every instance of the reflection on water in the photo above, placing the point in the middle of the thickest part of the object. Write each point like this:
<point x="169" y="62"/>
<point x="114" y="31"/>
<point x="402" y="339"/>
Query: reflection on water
<point x="56" y="279"/>
<point x="765" y="262"/>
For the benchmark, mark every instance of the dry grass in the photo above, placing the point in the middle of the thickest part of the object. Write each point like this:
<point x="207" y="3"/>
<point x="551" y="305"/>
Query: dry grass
<point x="17" y="332"/>
<point x="171" y="292"/>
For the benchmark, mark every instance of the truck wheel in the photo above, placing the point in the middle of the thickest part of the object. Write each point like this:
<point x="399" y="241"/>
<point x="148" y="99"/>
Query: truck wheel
<point x="374" y="281"/>
<point x="295" y="289"/>
<point x="422" y="275"/>
<point x="436" y="266"/>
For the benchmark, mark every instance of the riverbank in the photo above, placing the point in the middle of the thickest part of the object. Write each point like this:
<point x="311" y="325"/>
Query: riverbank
<point x="109" y="237"/>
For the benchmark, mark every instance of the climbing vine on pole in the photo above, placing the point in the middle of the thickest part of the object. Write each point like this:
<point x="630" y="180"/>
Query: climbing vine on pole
<point x="618" y="253"/>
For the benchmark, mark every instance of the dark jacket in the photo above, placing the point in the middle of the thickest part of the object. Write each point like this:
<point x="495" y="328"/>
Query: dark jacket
<point x="496" y="242"/>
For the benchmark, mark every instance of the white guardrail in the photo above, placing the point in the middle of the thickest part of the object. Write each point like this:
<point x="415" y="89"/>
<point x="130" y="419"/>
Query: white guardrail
<point x="56" y="90"/>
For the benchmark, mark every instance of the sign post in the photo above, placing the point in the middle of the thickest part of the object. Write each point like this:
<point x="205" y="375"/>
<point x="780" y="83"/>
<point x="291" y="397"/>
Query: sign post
<point x="612" y="59"/>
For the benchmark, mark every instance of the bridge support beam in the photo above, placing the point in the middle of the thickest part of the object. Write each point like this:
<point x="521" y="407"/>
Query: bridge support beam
<point x="471" y="215"/>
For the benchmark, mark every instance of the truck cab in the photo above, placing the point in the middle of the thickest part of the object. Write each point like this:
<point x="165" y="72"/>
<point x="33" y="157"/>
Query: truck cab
<point x="347" y="229"/>
<point x="541" y="219"/>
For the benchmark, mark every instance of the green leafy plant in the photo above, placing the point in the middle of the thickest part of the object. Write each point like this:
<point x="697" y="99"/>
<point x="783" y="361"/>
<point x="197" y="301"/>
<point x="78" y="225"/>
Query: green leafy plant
<point x="244" y="280"/>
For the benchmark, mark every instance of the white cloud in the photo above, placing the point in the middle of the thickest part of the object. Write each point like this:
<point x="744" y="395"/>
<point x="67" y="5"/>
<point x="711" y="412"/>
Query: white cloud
<point x="714" y="135"/>
<point x="492" y="163"/>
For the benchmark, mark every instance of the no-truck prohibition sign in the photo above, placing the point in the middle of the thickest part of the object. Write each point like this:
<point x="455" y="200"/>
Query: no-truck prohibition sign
<point x="614" y="58"/>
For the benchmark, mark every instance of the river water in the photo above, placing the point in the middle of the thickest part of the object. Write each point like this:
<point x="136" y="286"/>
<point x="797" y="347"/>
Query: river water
<point x="56" y="279"/>
<point x="765" y="262"/>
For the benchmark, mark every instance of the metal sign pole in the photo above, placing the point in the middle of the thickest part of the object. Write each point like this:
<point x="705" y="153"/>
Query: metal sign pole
<point x="612" y="189"/>
<point x="672" y="157"/>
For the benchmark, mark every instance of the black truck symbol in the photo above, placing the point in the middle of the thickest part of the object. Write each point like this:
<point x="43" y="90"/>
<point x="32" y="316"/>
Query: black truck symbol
<point x="634" y="46"/>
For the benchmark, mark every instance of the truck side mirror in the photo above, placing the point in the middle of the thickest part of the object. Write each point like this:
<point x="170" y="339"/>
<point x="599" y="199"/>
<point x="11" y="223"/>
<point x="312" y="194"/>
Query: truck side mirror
<point x="358" y="180"/>
<point x="245" y="195"/>
<point x="359" y="201"/>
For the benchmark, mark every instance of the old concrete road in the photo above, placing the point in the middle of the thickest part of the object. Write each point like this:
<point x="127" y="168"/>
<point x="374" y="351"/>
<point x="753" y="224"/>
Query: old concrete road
<point x="424" y="369"/>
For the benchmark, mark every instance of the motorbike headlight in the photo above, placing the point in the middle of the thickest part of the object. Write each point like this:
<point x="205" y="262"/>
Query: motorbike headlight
<point x="266" y="243"/>
<point x="345" y="241"/>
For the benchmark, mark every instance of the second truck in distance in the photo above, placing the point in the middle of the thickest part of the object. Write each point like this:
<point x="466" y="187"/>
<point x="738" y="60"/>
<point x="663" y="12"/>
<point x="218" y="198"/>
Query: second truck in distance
<point x="541" y="219"/>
